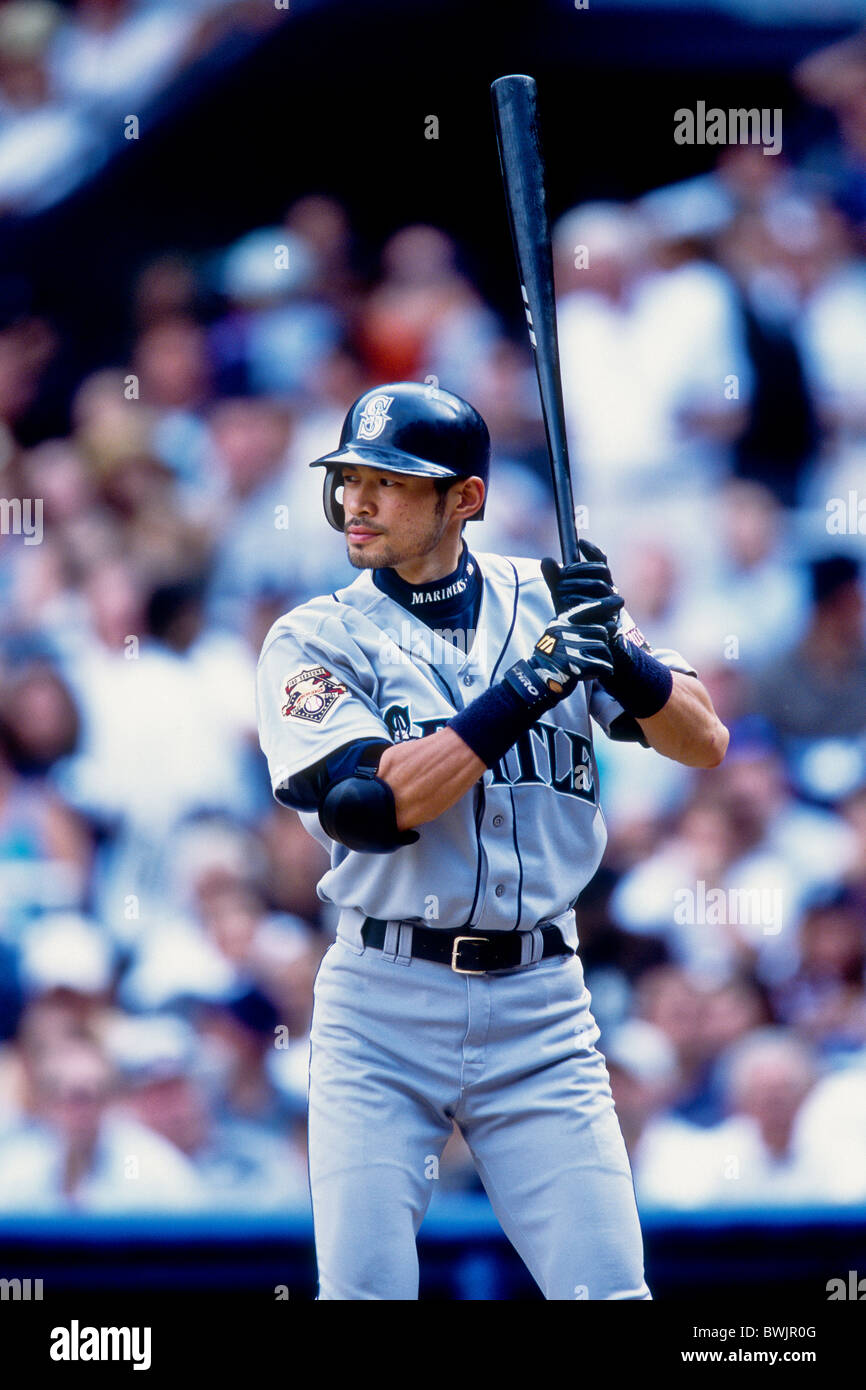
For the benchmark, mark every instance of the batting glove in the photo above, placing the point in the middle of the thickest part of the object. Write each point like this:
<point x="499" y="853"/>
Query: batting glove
<point x="585" y="589"/>
<point x="564" y="655"/>
<point x="638" y="680"/>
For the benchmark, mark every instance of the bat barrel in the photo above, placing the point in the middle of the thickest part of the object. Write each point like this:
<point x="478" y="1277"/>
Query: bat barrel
<point x="515" y="110"/>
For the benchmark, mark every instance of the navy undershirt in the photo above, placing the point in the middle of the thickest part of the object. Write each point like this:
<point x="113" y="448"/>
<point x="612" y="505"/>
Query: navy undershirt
<point x="449" y="606"/>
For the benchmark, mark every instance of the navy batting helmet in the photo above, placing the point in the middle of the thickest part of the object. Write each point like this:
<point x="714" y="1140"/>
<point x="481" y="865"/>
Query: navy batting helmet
<point x="408" y="428"/>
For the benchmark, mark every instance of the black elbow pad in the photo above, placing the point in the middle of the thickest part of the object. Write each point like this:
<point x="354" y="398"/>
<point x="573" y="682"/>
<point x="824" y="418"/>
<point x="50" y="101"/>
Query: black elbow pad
<point x="625" y="729"/>
<point x="360" y="812"/>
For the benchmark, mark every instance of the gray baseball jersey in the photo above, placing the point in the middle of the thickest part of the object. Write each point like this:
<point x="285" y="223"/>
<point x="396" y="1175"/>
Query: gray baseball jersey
<point x="515" y="851"/>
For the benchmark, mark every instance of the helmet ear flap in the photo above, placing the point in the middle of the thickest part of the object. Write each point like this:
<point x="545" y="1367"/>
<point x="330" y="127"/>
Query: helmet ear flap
<point x="333" y="508"/>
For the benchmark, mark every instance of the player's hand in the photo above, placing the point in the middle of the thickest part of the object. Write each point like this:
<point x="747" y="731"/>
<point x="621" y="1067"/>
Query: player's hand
<point x="585" y="589"/>
<point x="570" y="651"/>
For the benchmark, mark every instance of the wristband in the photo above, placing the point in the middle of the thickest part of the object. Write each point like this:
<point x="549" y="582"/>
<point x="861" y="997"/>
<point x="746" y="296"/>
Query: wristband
<point x="494" y="721"/>
<point x="640" y="683"/>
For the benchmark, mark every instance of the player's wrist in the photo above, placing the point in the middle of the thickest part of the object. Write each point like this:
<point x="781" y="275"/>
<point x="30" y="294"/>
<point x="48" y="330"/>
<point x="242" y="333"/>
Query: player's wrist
<point x="495" y="720"/>
<point x="639" y="682"/>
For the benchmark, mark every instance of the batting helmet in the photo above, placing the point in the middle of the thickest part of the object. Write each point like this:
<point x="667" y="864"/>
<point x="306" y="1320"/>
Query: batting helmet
<point x="408" y="428"/>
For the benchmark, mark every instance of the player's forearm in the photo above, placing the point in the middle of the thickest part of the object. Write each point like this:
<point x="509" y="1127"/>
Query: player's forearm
<point x="687" y="728"/>
<point x="428" y="775"/>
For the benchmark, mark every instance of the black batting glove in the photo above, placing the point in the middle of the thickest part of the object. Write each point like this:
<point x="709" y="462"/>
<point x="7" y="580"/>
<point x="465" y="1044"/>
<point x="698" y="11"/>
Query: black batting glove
<point x="566" y="653"/>
<point x="641" y="683"/>
<point x="585" y="588"/>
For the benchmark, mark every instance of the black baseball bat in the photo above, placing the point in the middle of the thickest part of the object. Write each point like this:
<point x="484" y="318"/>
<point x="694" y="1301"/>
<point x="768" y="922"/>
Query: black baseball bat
<point x="515" y="113"/>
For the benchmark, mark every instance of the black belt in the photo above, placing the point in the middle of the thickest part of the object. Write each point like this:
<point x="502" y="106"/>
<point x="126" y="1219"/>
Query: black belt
<point x="467" y="955"/>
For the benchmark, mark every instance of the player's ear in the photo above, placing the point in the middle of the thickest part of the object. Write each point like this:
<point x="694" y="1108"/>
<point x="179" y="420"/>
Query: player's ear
<point x="471" y="498"/>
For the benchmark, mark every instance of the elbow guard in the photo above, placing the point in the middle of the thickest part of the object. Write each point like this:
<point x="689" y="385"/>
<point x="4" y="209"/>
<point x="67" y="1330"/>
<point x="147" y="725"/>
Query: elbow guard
<point x="360" y="812"/>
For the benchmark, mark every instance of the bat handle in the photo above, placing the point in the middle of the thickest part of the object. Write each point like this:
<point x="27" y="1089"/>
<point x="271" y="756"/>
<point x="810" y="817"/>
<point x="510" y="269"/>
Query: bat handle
<point x="568" y="542"/>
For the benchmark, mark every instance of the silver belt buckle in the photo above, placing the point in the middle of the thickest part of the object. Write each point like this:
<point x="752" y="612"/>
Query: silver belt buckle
<point x="455" y="946"/>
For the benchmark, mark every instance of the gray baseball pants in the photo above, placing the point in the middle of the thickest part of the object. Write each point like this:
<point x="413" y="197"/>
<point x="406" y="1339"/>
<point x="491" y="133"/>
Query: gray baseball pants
<point x="400" y="1047"/>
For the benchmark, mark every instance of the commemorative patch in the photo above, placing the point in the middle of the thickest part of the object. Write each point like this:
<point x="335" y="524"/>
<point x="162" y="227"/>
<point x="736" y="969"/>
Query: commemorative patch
<point x="311" y="695"/>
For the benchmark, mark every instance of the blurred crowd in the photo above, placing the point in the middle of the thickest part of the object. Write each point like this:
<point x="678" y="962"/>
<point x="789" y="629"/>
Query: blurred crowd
<point x="72" y="74"/>
<point x="160" y="929"/>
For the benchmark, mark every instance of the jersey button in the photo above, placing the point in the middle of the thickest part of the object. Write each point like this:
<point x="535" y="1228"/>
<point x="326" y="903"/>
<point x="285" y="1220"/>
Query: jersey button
<point x="468" y="680"/>
<point x="499" y="889"/>
<point x="497" y="821"/>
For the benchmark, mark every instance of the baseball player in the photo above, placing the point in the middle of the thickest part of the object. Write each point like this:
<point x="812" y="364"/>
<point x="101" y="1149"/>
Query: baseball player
<point x="432" y="724"/>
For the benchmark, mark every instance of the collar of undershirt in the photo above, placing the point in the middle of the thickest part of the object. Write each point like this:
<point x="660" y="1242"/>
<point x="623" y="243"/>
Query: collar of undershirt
<point x="442" y="603"/>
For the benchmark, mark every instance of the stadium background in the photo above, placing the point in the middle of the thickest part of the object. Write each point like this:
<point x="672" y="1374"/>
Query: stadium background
<point x="189" y="300"/>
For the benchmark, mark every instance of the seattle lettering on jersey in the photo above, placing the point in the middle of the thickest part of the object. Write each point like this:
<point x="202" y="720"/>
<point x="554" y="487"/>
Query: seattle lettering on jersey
<point x="548" y="755"/>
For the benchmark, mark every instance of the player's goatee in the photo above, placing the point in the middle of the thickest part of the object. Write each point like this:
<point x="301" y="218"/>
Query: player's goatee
<point x="388" y="556"/>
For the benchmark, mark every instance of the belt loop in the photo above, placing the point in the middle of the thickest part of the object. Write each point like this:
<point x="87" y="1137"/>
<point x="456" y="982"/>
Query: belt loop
<point x="350" y="929"/>
<point x="531" y="946"/>
<point x="404" y="946"/>
<point x="391" y="942"/>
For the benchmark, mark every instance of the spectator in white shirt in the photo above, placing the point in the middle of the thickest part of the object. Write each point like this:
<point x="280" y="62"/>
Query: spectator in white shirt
<point x="644" y="1072"/>
<point x="831" y="1126"/>
<point x="654" y="373"/>
<point x="80" y="1155"/>
<point x="756" y="1158"/>
<point x="112" y="56"/>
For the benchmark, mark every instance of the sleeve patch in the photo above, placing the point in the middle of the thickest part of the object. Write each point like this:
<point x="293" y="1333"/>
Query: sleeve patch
<point x="312" y="695"/>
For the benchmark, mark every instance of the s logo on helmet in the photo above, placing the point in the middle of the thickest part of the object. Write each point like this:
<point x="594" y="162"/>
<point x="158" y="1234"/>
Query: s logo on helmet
<point x="374" y="417"/>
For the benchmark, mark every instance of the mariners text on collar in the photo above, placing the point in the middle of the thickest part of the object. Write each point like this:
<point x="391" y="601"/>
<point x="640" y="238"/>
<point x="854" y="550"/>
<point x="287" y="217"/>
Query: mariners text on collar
<point x="439" y="595"/>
